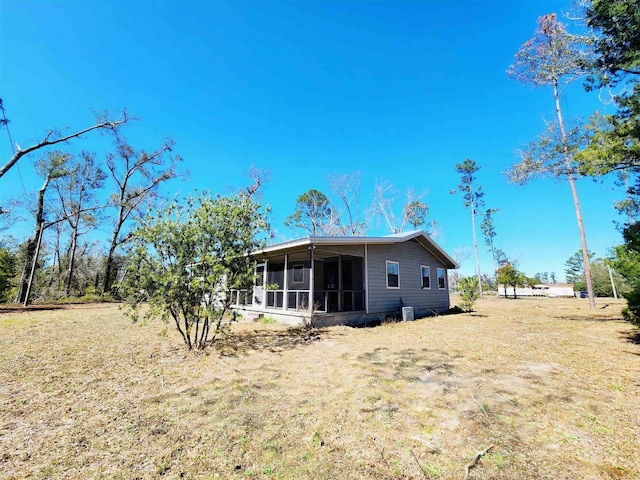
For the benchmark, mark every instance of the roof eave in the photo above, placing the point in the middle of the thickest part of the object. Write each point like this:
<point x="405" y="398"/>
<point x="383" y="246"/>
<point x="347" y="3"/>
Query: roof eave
<point x="427" y="242"/>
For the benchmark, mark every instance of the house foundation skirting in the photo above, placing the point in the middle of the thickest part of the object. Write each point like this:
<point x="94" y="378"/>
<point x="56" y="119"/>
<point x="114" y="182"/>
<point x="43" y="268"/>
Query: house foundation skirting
<point x="321" y="319"/>
<point x="303" y="318"/>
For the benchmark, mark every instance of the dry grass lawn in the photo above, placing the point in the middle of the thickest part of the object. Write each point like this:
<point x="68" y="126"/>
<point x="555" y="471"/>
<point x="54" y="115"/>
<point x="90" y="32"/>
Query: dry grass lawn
<point x="553" y="387"/>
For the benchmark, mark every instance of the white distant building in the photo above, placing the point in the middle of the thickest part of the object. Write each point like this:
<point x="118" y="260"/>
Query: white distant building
<point x="541" y="290"/>
<point x="558" y="290"/>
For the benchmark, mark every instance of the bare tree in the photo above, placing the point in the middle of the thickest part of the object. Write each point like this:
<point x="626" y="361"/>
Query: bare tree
<point x="554" y="57"/>
<point x="137" y="176"/>
<point x="76" y="192"/>
<point x="347" y="218"/>
<point x="414" y="211"/>
<point x="50" y="167"/>
<point x="258" y="177"/>
<point x="55" y="271"/>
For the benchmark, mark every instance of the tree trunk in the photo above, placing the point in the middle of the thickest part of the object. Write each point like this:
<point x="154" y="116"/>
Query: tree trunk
<point x="106" y="283"/>
<point x="495" y="266"/>
<point x="52" y="270"/>
<point x="576" y="200"/>
<point x="33" y="248"/>
<point x="56" y="269"/>
<point x="613" y="285"/>
<point x="71" y="259"/>
<point x="33" y="267"/>
<point x="475" y="243"/>
<point x="26" y="270"/>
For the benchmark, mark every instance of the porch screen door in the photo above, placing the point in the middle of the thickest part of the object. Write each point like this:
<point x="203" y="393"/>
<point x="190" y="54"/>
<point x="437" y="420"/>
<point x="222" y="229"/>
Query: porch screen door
<point x="258" y="289"/>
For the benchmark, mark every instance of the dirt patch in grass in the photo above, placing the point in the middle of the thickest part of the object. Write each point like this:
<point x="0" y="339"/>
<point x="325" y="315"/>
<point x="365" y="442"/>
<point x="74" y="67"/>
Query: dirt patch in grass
<point x="554" y="387"/>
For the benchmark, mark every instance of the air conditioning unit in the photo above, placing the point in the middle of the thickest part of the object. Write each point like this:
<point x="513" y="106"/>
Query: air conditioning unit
<point x="407" y="313"/>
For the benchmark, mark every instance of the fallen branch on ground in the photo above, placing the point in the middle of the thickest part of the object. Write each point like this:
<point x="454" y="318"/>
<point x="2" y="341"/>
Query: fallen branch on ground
<point x="424" y="472"/>
<point x="430" y="446"/>
<point x="473" y="462"/>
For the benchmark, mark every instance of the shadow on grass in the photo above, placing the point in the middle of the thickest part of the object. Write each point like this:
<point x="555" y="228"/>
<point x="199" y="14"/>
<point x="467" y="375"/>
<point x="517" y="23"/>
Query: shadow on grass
<point x="387" y="319"/>
<point x="409" y="364"/>
<point x="632" y="337"/>
<point x="13" y="308"/>
<point x="268" y="340"/>
<point x="589" y="318"/>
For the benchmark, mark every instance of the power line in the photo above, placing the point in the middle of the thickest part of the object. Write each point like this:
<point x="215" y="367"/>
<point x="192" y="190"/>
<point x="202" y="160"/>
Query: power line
<point x="5" y="121"/>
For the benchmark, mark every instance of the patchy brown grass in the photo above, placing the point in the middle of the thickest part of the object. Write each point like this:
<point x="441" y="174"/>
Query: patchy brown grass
<point x="554" y="387"/>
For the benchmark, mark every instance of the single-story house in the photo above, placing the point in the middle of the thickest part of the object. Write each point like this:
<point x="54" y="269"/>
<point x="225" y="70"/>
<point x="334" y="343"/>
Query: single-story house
<point x="347" y="280"/>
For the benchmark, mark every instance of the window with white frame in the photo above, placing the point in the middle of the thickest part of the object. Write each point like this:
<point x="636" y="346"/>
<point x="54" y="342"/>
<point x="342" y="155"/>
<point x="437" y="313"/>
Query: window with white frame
<point x="441" y="279"/>
<point x="425" y="272"/>
<point x="393" y="274"/>
<point x="298" y="273"/>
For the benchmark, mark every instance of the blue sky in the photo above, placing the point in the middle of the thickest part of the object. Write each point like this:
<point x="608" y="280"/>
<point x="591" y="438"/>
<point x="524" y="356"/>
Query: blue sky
<point x="398" y="90"/>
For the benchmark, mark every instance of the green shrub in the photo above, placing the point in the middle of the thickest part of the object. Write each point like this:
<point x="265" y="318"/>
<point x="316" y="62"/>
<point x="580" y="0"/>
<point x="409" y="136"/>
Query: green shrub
<point x="468" y="288"/>
<point x="631" y="312"/>
<point x="7" y="272"/>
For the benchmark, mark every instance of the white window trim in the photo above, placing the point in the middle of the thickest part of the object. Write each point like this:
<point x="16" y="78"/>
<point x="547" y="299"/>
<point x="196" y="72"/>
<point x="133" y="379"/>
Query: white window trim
<point x="444" y="272"/>
<point x="293" y="274"/>
<point x="386" y="273"/>
<point x="422" y="277"/>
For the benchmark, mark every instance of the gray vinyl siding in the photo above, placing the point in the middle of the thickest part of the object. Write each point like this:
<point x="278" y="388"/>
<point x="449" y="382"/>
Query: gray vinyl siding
<point x="410" y="256"/>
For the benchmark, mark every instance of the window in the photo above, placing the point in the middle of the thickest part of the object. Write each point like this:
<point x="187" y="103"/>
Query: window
<point x="426" y="281"/>
<point x="441" y="280"/>
<point x="298" y="273"/>
<point x="393" y="275"/>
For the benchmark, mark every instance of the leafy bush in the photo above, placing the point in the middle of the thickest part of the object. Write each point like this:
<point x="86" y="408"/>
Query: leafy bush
<point x="86" y="298"/>
<point x="631" y="312"/>
<point x="468" y="288"/>
<point x="626" y="261"/>
<point x="7" y="272"/>
<point x="187" y="258"/>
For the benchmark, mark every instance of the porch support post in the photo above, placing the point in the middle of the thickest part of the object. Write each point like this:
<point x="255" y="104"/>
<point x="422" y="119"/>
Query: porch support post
<point x="340" y="295"/>
<point x="311" y="282"/>
<point x="366" y="279"/>
<point x="285" y="293"/>
<point x="265" y="276"/>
